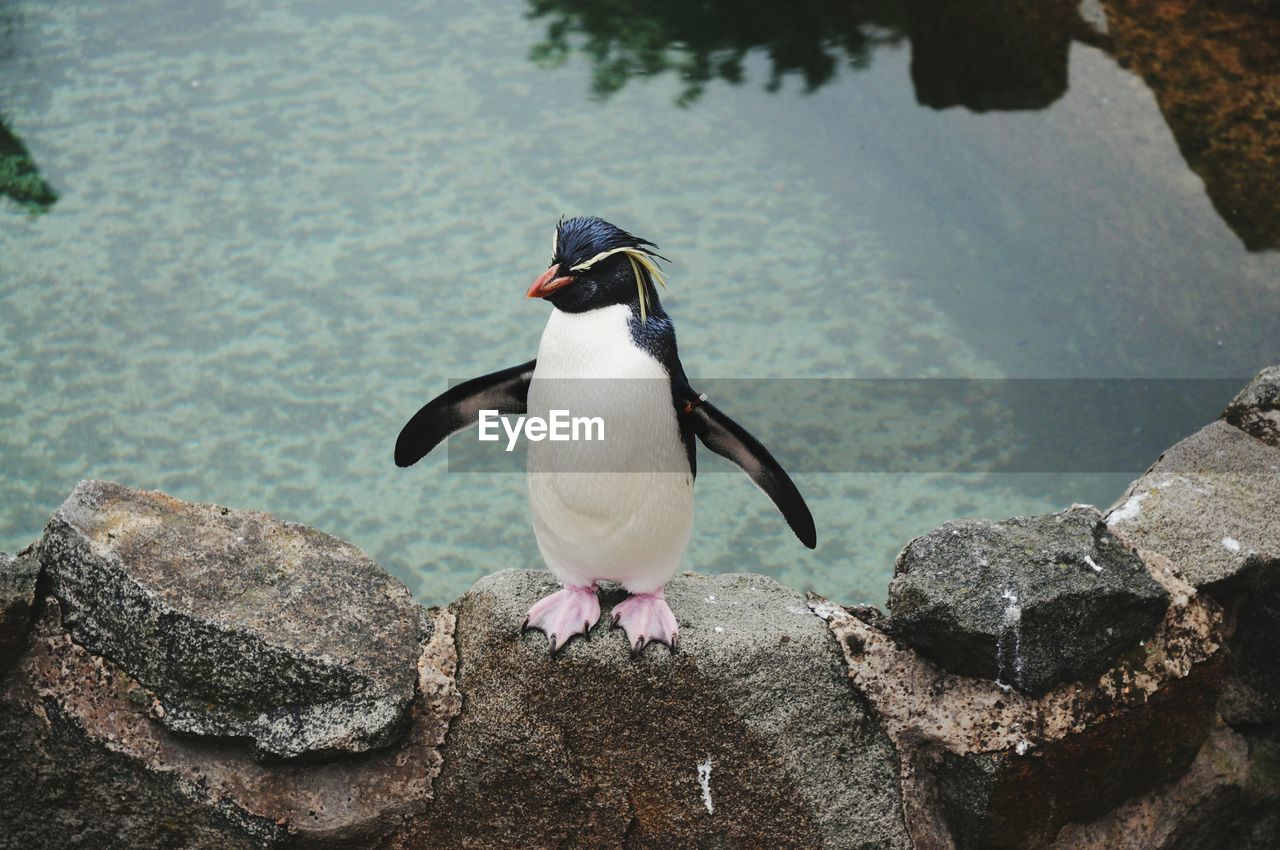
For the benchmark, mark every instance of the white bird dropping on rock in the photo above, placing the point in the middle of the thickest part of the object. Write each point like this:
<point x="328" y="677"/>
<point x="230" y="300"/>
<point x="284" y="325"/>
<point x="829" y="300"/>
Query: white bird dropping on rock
<point x="704" y="779"/>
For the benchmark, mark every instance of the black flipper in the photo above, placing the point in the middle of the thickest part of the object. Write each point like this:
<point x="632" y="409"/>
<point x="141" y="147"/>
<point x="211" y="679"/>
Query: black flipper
<point x="729" y="439"/>
<point x="506" y="392"/>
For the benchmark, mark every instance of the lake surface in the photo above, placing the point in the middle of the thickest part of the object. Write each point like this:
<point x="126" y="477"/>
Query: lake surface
<point x="243" y="242"/>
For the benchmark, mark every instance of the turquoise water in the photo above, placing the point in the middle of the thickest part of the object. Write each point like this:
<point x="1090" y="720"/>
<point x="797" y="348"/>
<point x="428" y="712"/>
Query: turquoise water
<point x="281" y="227"/>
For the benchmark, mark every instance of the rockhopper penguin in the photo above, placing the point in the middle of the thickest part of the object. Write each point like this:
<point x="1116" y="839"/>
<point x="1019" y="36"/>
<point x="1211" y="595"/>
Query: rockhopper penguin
<point x="621" y="511"/>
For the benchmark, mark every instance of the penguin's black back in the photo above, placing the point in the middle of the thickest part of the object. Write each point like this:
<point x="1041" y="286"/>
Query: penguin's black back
<point x="656" y="336"/>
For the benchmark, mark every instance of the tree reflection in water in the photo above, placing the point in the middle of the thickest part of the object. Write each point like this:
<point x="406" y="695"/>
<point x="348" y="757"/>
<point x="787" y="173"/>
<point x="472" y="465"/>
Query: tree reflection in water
<point x="705" y="41"/>
<point x="19" y="177"/>
<point x="1214" y="68"/>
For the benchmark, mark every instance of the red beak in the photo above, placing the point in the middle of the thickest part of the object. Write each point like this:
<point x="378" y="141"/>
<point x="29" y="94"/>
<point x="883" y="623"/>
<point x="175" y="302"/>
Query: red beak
<point x="548" y="283"/>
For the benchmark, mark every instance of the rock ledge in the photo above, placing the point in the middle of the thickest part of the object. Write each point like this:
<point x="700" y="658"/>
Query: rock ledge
<point x="1030" y="602"/>
<point x="241" y="625"/>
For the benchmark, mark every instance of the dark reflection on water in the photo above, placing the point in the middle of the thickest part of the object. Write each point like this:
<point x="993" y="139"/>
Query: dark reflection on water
<point x="701" y="42"/>
<point x="992" y="54"/>
<point x="19" y="176"/>
<point x="1214" y="68"/>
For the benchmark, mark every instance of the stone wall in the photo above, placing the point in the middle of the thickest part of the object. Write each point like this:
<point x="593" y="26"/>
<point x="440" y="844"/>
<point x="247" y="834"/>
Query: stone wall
<point x="192" y="676"/>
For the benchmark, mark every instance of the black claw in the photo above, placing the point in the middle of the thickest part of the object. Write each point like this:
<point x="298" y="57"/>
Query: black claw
<point x="525" y="627"/>
<point x="638" y="648"/>
<point x="613" y="624"/>
<point x="552" y="649"/>
<point x="586" y="630"/>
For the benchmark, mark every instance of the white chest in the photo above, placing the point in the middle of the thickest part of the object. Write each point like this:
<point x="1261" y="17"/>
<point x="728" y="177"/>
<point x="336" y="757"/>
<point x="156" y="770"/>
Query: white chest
<point x="622" y="508"/>
<point x="589" y="367"/>
<point x="595" y="344"/>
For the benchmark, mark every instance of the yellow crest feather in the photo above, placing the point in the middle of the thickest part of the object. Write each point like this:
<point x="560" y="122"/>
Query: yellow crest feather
<point x="638" y="258"/>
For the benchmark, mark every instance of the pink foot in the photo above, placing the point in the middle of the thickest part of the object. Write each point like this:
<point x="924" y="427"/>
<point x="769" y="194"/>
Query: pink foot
<point x="646" y="617"/>
<point x="563" y="614"/>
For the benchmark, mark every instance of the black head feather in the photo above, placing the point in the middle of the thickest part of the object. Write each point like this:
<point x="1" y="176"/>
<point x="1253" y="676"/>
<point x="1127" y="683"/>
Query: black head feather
<point x="579" y="239"/>
<point x="607" y="280"/>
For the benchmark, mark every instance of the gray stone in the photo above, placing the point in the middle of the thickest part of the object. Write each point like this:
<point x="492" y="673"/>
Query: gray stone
<point x="18" y="574"/>
<point x="1211" y="504"/>
<point x="1256" y="409"/>
<point x="242" y="625"/>
<point x="86" y="765"/>
<point x="593" y="749"/>
<point x="1031" y="602"/>
<point x="987" y="767"/>
<point x="768" y="728"/>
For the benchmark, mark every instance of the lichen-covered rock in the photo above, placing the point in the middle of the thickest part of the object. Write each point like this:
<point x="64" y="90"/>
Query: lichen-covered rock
<point x="1256" y="408"/>
<point x="986" y="767"/>
<point x="240" y="624"/>
<point x="747" y="737"/>
<point x="18" y="574"/>
<point x="1030" y="602"/>
<point x="86" y="765"/>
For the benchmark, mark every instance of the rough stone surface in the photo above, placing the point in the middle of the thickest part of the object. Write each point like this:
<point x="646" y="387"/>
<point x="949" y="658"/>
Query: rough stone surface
<point x="987" y="767"/>
<point x="86" y="765"/>
<point x="1229" y="799"/>
<point x="18" y="574"/>
<point x="1030" y="602"/>
<point x="1256" y="408"/>
<point x="768" y="729"/>
<point x="1209" y="504"/>
<point x="593" y="749"/>
<point x="242" y="625"/>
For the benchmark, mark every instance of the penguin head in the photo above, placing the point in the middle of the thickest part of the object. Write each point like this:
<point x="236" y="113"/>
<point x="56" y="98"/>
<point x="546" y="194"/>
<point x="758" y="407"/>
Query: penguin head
<point x="595" y="264"/>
